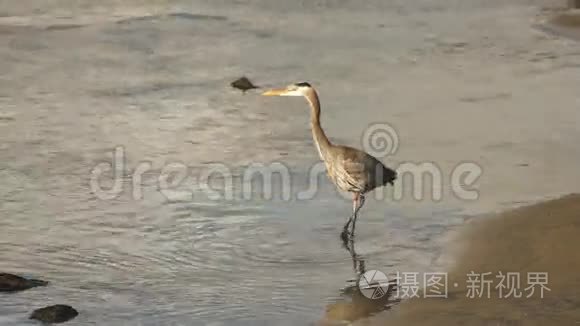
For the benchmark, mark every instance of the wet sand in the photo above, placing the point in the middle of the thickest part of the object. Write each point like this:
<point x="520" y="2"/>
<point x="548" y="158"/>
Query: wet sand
<point x="565" y="23"/>
<point x="540" y="238"/>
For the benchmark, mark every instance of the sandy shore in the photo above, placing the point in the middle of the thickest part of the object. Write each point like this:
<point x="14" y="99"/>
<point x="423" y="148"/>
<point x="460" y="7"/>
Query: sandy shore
<point x="564" y="23"/>
<point x="540" y="238"/>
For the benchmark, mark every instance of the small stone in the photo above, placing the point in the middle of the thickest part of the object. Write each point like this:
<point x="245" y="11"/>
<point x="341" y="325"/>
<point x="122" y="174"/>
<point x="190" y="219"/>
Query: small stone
<point x="54" y="314"/>
<point x="13" y="283"/>
<point x="243" y="84"/>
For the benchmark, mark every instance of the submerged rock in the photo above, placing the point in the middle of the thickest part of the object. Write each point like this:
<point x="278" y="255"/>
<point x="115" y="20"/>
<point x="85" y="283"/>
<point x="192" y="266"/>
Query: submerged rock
<point x="243" y="84"/>
<point x="54" y="314"/>
<point x="13" y="283"/>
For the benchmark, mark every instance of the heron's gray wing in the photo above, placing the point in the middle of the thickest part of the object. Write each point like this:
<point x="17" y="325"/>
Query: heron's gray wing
<point x="351" y="175"/>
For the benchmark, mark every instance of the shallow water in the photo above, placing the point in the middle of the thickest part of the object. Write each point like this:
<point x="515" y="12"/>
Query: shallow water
<point x="79" y="80"/>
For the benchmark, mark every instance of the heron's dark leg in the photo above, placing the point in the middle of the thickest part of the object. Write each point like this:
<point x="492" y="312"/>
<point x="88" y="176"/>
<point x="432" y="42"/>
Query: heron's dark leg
<point x="345" y="235"/>
<point x="360" y="203"/>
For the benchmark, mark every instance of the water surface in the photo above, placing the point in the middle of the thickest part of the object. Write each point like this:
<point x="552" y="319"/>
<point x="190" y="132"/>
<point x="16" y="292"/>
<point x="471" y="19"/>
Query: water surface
<point x="80" y="79"/>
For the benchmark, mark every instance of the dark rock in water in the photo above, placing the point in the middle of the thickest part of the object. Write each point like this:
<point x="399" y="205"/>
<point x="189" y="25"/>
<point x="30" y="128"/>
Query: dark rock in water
<point x="62" y="27"/>
<point x="185" y="15"/>
<point x="13" y="283"/>
<point x="54" y="314"/>
<point x="243" y="84"/>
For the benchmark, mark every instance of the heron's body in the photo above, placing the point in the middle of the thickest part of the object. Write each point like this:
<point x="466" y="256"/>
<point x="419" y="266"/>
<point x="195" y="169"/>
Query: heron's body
<point x="349" y="169"/>
<point x="355" y="171"/>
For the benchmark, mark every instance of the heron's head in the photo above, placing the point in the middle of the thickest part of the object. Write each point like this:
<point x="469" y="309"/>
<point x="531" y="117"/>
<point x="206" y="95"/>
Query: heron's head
<point x="298" y="89"/>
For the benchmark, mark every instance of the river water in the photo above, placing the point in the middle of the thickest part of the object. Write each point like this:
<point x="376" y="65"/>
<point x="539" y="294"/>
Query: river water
<point x="149" y="81"/>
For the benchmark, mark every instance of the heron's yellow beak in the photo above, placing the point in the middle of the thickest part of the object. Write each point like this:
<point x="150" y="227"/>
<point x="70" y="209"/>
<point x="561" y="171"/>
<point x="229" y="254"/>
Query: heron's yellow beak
<point x="275" y="92"/>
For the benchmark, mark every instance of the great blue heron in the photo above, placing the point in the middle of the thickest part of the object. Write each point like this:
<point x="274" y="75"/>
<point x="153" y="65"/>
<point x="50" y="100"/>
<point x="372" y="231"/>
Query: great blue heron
<point x="349" y="169"/>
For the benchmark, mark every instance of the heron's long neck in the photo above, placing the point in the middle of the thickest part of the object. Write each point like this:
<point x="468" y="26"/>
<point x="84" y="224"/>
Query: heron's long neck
<point x="322" y="142"/>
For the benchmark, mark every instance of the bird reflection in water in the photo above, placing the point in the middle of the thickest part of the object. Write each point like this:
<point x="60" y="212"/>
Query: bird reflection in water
<point x="354" y="305"/>
<point x="357" y="172"/>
